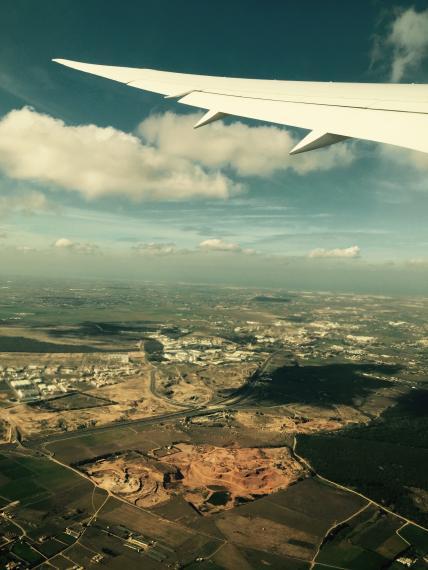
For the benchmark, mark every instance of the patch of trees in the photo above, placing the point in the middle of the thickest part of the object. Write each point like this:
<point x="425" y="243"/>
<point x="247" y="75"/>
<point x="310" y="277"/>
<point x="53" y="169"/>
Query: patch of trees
<point x="382" y="469"/>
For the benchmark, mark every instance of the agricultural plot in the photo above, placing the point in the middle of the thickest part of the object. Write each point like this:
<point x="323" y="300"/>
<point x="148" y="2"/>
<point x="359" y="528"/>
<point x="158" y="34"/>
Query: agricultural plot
<point x="85" y="446"/>
<point x="289" y="524"/>
<point x="417" y="538"/>
<point x="370" y="540"/>
<point x="284" y="529"/>
<point x="74" y="401"/>
<point x="41" y="500"/>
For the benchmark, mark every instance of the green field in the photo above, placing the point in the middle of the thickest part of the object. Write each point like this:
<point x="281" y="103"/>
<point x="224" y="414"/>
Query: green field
<point x="417" y="537"/>
<point x="368" y="540"/>
<point x="42" y="489"/>
<point x="24" y="551"/>
<point x="23" y="344"/>
<point x="51" y="547"/>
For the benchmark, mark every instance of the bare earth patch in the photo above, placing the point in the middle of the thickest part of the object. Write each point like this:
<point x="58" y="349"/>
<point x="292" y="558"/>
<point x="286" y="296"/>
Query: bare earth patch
<point x="276" y="421"/>
<point x="136" y="479"/>
<point x="220" y="477"/>
<point x="265" y="534"/>
<point x="210" y="478"/>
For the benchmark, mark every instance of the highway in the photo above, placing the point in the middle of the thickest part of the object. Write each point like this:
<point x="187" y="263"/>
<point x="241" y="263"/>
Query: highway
<point x="213" y="407"/>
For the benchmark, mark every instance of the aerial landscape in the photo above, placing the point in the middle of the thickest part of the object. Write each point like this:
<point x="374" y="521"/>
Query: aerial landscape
<point x="213" y="285"/>
<point x="211" y="427"/>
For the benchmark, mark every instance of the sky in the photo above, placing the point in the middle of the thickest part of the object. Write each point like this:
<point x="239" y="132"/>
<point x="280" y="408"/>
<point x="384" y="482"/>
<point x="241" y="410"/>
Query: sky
<point x="98" y="179"/>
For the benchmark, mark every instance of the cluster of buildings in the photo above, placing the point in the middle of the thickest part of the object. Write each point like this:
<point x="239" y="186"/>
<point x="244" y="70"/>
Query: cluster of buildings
<point x="321" y="339"/>
<point x="155" y="549"/>
<point x="317" y="339"/>
<point x="204" y="350"/>
<point x="32" y="382"/>
<point x="37" y="381"/>
<point x="406" y="561"/>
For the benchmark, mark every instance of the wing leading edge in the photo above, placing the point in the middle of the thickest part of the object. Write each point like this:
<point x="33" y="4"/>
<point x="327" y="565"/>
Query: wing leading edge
<point x="387" y="113"/>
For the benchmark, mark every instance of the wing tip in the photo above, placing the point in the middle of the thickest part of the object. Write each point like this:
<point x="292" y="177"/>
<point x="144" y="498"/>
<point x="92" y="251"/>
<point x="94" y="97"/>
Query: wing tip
<point x="70" y="63"/>
<point x="62" y="61"/>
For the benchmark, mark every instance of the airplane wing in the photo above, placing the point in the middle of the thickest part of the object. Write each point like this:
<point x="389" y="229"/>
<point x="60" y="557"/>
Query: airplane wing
<point x="387" y="113"/>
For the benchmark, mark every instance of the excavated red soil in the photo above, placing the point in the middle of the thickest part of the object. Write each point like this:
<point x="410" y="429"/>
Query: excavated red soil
<point x="210" y="478"/>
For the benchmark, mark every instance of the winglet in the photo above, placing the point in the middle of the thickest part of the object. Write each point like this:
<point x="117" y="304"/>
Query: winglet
<point x="316" y="139"/>
<point x="209" y="117"/>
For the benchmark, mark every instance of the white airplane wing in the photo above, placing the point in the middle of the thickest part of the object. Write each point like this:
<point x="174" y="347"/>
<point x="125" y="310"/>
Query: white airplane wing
<point x="387" y="113"/>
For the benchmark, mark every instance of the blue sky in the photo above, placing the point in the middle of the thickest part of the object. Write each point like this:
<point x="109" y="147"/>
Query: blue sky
<point x="157" y="201"/>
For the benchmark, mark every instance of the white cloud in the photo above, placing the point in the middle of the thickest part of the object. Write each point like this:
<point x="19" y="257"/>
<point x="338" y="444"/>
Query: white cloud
<point x="69" y="245"/>
<point x="170" y="161"/>
<point x="208" y="245"/>
<point x="249" y="151"/>
<point x="408" y="39"/>
<point x="64" y="243"/>
<point x="99" y="161"/>
<point x="216" y="244"/>
<point x="153" y="248"/>
<point x="347" y="252"/>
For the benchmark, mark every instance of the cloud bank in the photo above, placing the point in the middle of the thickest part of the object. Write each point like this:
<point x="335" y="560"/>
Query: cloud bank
<point x="99" y="161"/>
<point x="247" y="150"/>
<point x="166" y="159"/>
<point x="206" y="246"/>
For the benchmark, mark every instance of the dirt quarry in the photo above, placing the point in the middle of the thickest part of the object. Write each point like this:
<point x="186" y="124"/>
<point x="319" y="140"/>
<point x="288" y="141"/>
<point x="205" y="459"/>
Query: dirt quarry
<point x="222" y="477"/>
<point x="210" y="478"/>
<point x="134" y="477"/>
